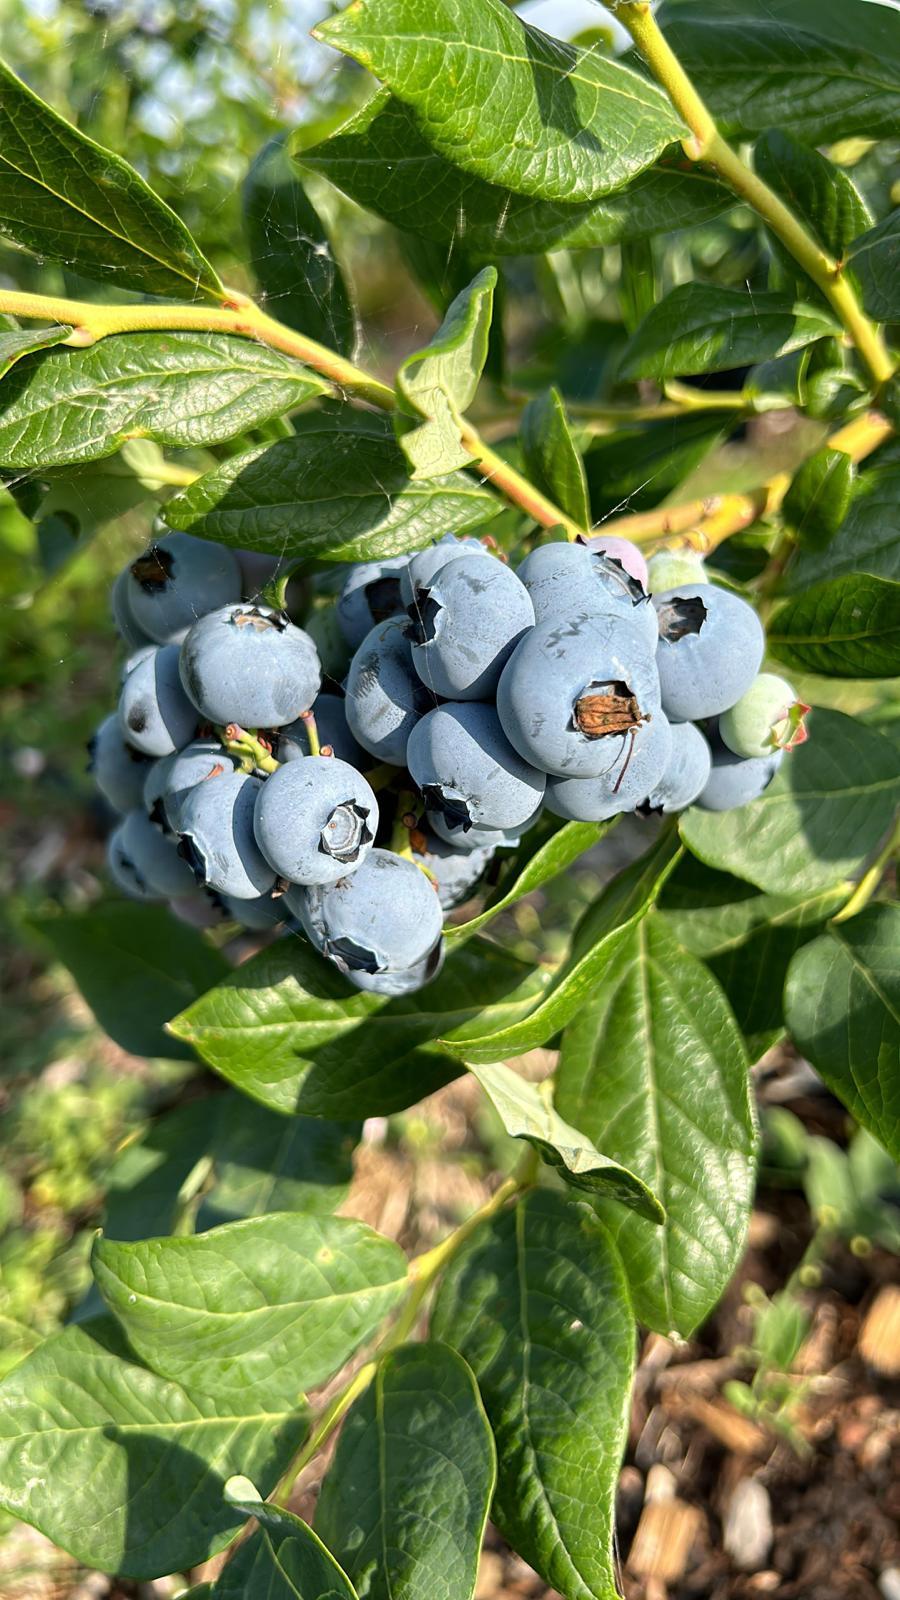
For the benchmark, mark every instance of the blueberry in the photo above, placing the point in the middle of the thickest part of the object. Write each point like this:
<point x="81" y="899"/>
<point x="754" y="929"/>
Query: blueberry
<point x="199" y="909"/>
<point x="767" y="717"/>
<point x="710" y="647"/>
<point x="620" y="789"/>
<point x="734" y="781"/>
<point x="118" y="770"/>
<point x="153" y="793"/>
<point x="465" y="625"/>
<point x="686" y="773"/>
<point x="216" y="825"/>
<point x="668" y="568"/>
<point x="628" y="555"/>
<point x="468" y="772"/>
<point x="125" y="873"/>
<point x="198" y="762"/>
<point x="476" y="838"/>
<point x="455" y="871"/>
<point x="330" y="713"/>
<point x="156" y="714"/>
<point x="385" y="695"/>
<point x="566" y="580"/>
<point x="423" y="564"/>
<point x="257" y="569"/>
<point x="249" y="665"/>
<point x="259" y="914"/>
<point x="154" y="855"/>
<point x="379" y="922"/>
<point x="315" y="820"/>
<point x="578" y="698"/>
<point x="407" y="981"/>
<point x="135" y="658"/>
<point x="370" y="595"/>
<point x="129" y="631"/>
<point x="177" y="580"/>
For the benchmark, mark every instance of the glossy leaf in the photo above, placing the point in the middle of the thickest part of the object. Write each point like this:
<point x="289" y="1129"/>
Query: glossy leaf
<point x="438" y="384"/>
<point x="124" y="1469"/>
<point x="538" y="1305"/>
<point x="264" y="1309"/>
<point x="63" y="406"/>
<point x="635" y="468"/>
<point x="526" y="1111"/>
<point x="136" y="968"/>
<point x="819" y="497"/>
<point x="291" y="254"/>
<point x="848" y="628"/>
<point x="332" y="1052"/>
<point x="565" y="124"/>
<point x="875" y="263"/>
<point x="70" y="200"/>
<point x="842" y="1002"/>
<point x="540" y="858"/>
<point x="868" y="539"/>
<point x="18" y="342"/>
<point x="339" y="489"/>
<point x="381" y="158"/>
<point x="283" y="1560"/>
<point x="654" y="1069"/>
<point x="820" y="193"/>
<point x="552" y="458"/>
<point x="826" y="809"/>
<point x="405" y="1500"/>
<point x="760" y="72"/>
<point x="700" y="327"/>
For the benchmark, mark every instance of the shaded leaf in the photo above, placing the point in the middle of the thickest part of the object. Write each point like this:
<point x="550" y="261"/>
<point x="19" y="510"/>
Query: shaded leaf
<point x="875" y="263"/>
<point x="636" y="468"/>
<point x="538" y="1305"/>
<point x="826" y="809"/>
<point x="67" y="198"/>
<point x="124" y="1469"/>
<point x="654" y="1069"/>
<point x="340" y="489"/>
<point x="842" y="1003"/>
<point x="439" y="383"/>
<point x="538" y="859"/>
<point x="565" y="124"/>
<point x="405" y="1500"/>
<point x="284" y="1560"/>
<point x="552" y="458"/>
<point x="700" y="327"/>
<point x="18" y="342"/>
<point x="262" y="1309"/>
<point x="868" y="539"/>
<point x="526" y="1111"/>
<point x="819" y="497"/>
<point x="817" y="191"/>
<point x="848" y="628"/>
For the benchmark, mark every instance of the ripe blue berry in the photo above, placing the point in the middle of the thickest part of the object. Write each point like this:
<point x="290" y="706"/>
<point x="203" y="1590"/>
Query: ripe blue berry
<point x="476" y="838"/>
<point x="216" y="826"/>
<point x="257" y="569"/>
<point x="315" y="820"/>
<point x="578" y="698"/>
<point x="455" y="871"/>
<point x="199" y="762"/>
<point x="370" y="595"/>
<point x="125" y="873"/>
<point x="566" y="580"/>
<point x="259" y="914"/>
<point x="423" y="564"/>
<point x="249" y="665"/>
<point x="734" y="781"/>
<point x="385" y="695"/>
<point x="686" y="773"/>
<point x="380" y="922"/>
<point x="467" y="770"/>
<point x="465" y="625"/>
<point x="154" y="856"/>
<point x="118" y="770"/>
<point x="620" y="789"/>
<point x="156" y="714"/>
<point x="710" y="647"/>
<point x="177" y="580"/>
<point x="133" y="636"/>
<point x="330" y="713"/>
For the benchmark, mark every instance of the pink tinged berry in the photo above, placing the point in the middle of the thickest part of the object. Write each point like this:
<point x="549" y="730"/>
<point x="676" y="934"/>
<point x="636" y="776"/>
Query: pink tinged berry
<point x="622" y="550"/>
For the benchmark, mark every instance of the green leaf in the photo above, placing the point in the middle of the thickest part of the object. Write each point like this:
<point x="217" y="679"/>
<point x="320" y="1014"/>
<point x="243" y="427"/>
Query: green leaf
<point x="756" y="73"/>
<point x="817" y="191"/>
<point x="637" y="467"/>
<point x="136" y="968"/>
<point x="552" y="458"/>
<point x="564" y="124"/>
<point x="338" y="1054"/>
<point x="291" y="254"/>
<point x="263" y="1309"/>
<point x="746" y="938"/>
<point x="538" y="1305"/>
<point x="340" y="489"/>
<point x="18" y="342"/>
<point x="700" y="327"/>
<point x="526" y="1112"/>
<point x="121" y="1468"/>
<point x="405" y="1501"/>
<point x="381" y="158"/>
<point x="654" y="1069"/>
<point x="826" y="809"/>
<point x="64" y="405"/>
<point x="539" y="859"/>
<point x="439" y="383"/>
<point x="284" y="1560"/>
<point x="868" y="539"/>
<point x="848" y="628"/>
<point x="842" y="1001"/>
<point x="67" y="198"/>
<point x="875" y="263"/>
<point x="819" y="497"/>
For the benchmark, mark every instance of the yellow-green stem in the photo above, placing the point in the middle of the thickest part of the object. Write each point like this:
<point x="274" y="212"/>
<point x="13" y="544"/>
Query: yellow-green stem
<point x="871" y="879"/>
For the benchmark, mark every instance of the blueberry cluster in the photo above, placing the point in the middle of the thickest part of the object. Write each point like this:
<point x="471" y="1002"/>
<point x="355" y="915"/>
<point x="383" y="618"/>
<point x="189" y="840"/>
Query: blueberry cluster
<point x="475" y="696"/>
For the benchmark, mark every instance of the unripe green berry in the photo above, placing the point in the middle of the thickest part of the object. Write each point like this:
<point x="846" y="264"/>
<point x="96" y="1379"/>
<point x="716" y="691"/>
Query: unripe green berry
<point x="768" y="717"/>
<point x="669" y="568"/>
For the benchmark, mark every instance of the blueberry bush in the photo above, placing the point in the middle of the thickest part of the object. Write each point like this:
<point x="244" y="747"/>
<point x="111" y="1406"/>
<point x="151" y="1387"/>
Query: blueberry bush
<point x="400" y="648"/>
